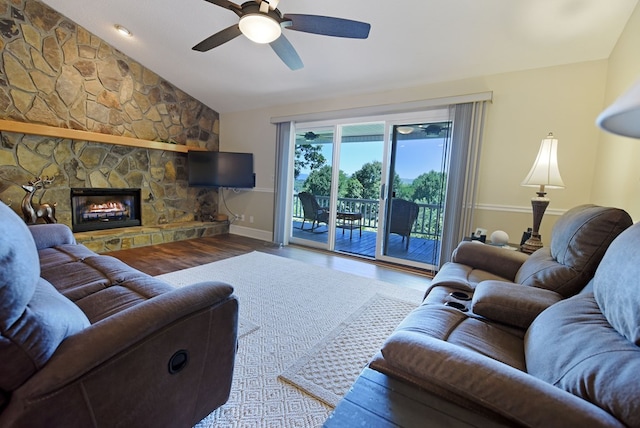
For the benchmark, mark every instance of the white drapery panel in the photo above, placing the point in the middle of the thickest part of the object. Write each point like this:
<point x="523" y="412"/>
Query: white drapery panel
<point x="468" y="124"/>
<point x="284" y="161"/>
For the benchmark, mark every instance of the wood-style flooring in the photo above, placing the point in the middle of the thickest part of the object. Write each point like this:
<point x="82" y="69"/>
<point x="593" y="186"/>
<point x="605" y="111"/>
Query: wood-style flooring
<point x="170" y="257"/>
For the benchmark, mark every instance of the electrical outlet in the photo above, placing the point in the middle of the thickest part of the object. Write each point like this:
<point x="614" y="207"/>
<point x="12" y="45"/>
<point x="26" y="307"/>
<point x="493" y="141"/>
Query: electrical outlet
<point x="250" y="219"/>
<point x="241" y="217"/>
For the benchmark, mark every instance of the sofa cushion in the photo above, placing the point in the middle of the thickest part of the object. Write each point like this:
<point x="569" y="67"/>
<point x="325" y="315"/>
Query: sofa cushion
<point x="616" y="284"/>
<point x="579" y="240"/>
<point x="561" y="348"/>
<point x="100" y="285"/>
<point x="455" y="327"/>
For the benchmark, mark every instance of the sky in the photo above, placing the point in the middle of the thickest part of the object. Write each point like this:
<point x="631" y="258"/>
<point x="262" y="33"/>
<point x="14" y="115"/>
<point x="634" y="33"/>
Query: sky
<point x="414" y="157"/>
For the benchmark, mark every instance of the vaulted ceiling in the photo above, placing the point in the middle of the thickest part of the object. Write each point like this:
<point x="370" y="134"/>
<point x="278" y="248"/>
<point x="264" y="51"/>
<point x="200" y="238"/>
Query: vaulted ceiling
<point x="411" y="42"/>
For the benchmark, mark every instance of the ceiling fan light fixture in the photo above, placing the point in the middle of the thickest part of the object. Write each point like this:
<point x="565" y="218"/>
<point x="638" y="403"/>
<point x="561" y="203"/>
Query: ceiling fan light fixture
<point x="405" y="129"/>
<point x="260" y="28"/>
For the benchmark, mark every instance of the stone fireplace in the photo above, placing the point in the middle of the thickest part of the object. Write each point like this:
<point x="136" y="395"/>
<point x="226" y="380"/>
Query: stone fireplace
<point x="99" y="209"/>
<point x="55" y="74"/>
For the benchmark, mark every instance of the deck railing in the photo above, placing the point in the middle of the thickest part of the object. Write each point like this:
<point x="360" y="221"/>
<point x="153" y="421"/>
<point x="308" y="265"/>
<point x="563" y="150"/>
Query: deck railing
<point x="428" y="225"/>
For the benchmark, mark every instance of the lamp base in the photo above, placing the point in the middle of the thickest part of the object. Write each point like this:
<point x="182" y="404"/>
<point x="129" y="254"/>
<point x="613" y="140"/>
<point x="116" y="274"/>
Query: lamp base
<point x="531" y="245"/>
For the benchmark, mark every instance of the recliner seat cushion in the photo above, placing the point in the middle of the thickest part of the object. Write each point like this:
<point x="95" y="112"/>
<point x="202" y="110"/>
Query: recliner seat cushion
<point x="572" y="345"/>
<point x="455" y="327"/>
<point x="579" y="240"/>
<point x="99" y="285"/>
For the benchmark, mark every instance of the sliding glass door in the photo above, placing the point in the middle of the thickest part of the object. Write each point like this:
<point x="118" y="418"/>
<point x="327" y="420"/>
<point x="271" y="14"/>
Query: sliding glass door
<point x="374" y="188"/>
<point x="313" y="178"/>
<point x="415" y="194"/>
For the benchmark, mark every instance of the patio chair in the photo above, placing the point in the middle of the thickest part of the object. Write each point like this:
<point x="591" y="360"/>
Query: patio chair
<point x="403" y="214"/>
<point x="312" y="211"/>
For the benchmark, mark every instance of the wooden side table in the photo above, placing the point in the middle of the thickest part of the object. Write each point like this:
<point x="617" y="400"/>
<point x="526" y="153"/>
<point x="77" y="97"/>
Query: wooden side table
<point x="378" y="401"/>
<point x="348" y="221"/>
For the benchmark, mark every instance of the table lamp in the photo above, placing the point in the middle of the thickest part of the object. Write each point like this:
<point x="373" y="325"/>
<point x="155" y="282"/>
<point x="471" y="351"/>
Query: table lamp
<point x="544" y="174"/>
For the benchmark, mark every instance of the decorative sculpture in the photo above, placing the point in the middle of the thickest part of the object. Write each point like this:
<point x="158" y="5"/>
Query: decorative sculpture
<point x="47" y="212"/>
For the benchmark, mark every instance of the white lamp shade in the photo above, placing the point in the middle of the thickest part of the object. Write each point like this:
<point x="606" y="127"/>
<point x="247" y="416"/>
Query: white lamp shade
<point x="544" y="171"/>
<point x="623" y="116"/>
<point x="260" y="27"/>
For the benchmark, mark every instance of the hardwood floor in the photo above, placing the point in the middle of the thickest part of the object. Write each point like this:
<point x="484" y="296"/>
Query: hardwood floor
<point x="170" y="257"/>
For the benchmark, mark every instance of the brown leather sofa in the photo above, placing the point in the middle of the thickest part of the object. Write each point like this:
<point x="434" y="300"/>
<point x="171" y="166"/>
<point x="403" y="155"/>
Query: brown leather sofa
<point x="88" y="341"/>
<point x="548" y="340"/>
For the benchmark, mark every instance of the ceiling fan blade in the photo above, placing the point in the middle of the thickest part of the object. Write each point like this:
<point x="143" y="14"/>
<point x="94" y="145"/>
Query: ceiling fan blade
<point x="219" y="38"/>
<point x="236" y="8"/>
<point x="286" y="52"/>
<point x="328" y="26"/>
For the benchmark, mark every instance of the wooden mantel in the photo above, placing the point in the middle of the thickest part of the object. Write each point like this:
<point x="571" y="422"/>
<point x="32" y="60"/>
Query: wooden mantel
<point x="74" y="134"/>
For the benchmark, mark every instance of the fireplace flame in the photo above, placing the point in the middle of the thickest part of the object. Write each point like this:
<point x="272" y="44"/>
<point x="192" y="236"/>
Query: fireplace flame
<point x="108" y="207"/>
<point x="105" y="211"/>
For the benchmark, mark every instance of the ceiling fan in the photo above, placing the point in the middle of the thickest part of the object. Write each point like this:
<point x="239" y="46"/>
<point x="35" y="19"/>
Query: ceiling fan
<point x="261" y="22"/>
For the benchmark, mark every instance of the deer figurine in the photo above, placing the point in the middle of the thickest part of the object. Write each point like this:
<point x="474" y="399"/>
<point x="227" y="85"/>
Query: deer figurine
<point x="46" y="212"/>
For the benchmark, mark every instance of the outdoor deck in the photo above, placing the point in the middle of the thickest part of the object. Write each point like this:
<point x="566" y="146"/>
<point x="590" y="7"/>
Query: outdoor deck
<point x="420" y="250"/>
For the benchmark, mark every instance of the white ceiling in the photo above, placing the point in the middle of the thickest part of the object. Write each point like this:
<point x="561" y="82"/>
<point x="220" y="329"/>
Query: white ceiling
<point x="412" y="42"/>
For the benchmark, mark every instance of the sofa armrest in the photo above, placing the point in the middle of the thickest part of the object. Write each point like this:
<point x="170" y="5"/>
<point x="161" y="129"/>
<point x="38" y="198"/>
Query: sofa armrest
<point x="513" y="304"/>
<point x="496" y="260"/>
<point x="113" y="338"/>
<point x="50" y="235"/>
<point x="497" y="387"/>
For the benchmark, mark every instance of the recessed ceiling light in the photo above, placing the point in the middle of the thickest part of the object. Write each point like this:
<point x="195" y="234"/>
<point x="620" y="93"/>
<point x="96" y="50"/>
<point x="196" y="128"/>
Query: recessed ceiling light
<point x="123" y="30"/>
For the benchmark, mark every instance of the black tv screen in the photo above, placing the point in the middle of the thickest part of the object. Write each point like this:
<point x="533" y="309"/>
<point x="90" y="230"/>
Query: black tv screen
<point x="221" y="169"/>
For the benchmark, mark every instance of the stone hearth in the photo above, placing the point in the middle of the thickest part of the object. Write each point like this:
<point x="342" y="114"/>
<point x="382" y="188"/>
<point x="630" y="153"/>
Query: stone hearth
<point x="103" y="241"/>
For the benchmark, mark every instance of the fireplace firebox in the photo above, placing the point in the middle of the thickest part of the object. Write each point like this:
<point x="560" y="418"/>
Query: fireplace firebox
<point x="98" y="209"/>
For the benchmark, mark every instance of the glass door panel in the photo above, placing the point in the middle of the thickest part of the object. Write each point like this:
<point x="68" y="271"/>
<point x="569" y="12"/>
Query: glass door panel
<point x="415" y="195"/>
<point x="360" y="175"/>
<point x="313" y="170"/>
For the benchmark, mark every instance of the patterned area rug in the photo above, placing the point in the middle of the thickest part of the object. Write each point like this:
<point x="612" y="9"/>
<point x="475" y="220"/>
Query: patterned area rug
<point x="296" y="306"/>
<point x="330" y="368"/>
<point x="245" y="327"/>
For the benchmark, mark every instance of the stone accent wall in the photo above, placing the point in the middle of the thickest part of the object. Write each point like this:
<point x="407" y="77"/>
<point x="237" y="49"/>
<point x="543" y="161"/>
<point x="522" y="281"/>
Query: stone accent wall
<point x="56" y="73"/>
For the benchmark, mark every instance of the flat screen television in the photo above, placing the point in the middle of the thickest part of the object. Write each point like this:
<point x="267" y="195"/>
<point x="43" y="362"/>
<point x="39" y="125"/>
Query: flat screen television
<point x="221" y="169"/>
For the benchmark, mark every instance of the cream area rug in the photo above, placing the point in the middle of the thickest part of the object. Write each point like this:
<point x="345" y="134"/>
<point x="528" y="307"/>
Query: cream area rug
<point x="315" y="327"/>
<point x="329" y="369"/>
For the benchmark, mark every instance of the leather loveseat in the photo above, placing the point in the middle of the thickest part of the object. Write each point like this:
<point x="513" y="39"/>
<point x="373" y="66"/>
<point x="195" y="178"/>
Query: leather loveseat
<point x="88" y="341"/>
<point x="535" y="341"/>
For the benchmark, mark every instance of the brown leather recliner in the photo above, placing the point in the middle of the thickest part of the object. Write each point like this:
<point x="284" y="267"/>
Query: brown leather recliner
<point x="86" y="340"/>
<point x="575" y="363"/>
<point x="487" y="280"/>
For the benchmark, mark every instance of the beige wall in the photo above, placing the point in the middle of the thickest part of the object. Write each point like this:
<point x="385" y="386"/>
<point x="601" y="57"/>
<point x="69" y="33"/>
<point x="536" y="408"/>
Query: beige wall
<point x="617" y="175"/>
<point x="527" y="105"/>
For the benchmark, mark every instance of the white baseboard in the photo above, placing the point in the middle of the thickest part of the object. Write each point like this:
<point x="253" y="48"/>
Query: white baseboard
<point x="262" y="235"/>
